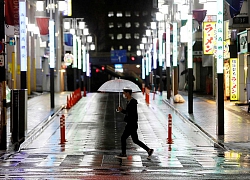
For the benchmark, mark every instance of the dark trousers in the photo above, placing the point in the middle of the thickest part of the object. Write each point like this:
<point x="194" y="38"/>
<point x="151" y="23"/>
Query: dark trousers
<point x="131" y="130"/>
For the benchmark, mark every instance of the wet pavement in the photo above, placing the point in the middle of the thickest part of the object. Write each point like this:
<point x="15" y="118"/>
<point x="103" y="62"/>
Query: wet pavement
<point x="93" y="131"/>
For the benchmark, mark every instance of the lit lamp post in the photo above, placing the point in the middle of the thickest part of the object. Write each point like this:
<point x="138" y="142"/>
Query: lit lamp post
<point x="190" y="59"/>
<point x="160" y="19"/>
<point x="220" y="62"/>
<point x="89" y="46"/>
<point x="141" y="52"/>
<point x="146" y="57"/>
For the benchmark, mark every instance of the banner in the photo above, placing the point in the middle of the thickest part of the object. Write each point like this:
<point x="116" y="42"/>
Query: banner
<point x="43" y="25"/>
<point x="12" y="17"/>
<point x="235" y="7"/>
<point x="209" y="37"/>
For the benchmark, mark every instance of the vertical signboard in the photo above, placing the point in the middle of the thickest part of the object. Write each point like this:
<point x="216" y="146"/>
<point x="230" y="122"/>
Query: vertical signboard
<point x="220" y="37"/>
<point x="209" y="37"/>
<point x="52" y="43"/>
<point x="168" y="48"/>
<point x="175" y="44"/>
<point x="79" y="53"/>
<point x="74" y="51"/>
<point x="234" y="64"/>
<point x="23" y="40"/>
<point x="190" y="41"/>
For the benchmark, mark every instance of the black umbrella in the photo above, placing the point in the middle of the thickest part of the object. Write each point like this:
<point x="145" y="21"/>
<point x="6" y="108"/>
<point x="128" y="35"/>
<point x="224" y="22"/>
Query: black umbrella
<point x="184" y="72"/>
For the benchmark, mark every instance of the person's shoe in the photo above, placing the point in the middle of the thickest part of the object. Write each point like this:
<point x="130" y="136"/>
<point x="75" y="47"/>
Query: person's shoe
<point x="150" y="152"/>
<point x="121" y="156"/>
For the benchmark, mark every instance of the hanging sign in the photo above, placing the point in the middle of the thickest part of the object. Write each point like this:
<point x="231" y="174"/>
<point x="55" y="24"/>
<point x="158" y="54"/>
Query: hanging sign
<point x="234" y="78"/>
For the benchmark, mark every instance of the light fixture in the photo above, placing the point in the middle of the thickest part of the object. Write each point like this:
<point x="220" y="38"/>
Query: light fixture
<point x="67" y="25"/>
<point x="39" y="6"/>
<point x="81" y="25"/>
<point x="148" y="32"/>
<point x="144" y="40"/>
<point x="138" y="52"/>
<point x="89" y="39"/>
<point x="153" y="25"/>
<point x="142" y="46"/>
<point x="92" y="46"/>
<point x="85" y="31"/>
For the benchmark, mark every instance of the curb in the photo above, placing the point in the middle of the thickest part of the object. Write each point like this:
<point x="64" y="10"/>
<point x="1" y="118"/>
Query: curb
<point x="33" y="134"/>
<point x="196" y="126"/>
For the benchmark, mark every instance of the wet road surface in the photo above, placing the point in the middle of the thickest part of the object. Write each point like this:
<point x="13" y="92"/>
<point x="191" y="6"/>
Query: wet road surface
<point x="93" y="131"/>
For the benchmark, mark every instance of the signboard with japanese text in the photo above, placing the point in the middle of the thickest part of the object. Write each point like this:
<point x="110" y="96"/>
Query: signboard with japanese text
<point x="234" y="64"/>
<point x="209" y="37"/>
<point x="23" y="36"/>
<point x="220" y="37"/>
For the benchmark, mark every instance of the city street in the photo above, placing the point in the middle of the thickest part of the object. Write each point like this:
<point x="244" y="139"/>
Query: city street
<point x="93" y="131"/>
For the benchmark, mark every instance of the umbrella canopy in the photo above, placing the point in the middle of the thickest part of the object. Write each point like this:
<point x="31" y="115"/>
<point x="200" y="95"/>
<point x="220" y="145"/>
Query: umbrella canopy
<point x="117" y="85"/>
<point x="184" y="72"/>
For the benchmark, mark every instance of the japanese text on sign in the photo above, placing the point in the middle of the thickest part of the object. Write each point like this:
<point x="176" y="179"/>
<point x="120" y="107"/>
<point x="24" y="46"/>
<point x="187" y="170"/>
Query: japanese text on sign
<point x="234" y="79"/>
<point x="209" y="37"/>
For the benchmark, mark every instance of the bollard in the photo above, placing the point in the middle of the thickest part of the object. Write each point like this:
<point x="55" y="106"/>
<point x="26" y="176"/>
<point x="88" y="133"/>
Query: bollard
<point x="62" y="129"/>
<point x="68" y="103"/>
<point x="143" y="88"/>
<point x="170" y="140"/>
<point x="84" y="93"/>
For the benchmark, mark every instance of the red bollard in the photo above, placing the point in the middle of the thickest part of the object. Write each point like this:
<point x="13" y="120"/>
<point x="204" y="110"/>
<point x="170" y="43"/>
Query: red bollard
<point x="170" y="140"/>
<point x="62" y="129"/>
<point x="84" y="93"/>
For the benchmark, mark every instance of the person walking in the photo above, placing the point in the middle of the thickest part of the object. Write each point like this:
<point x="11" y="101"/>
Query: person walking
<point x="131" y="118"/>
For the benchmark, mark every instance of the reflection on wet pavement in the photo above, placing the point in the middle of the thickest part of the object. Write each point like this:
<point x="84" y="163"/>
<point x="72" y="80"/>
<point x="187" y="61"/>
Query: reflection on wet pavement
<point x="93" y="132"/>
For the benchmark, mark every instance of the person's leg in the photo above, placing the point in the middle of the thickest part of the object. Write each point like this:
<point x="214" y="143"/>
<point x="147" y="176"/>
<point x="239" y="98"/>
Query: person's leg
<point x="135" y="139"/>
<point x="124" y="137"/>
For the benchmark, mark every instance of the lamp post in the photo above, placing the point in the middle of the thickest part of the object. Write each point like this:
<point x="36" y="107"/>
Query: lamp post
<point x="160" y="19"/>
<point x="190" y="58"/>
<point x="220" y="63"/>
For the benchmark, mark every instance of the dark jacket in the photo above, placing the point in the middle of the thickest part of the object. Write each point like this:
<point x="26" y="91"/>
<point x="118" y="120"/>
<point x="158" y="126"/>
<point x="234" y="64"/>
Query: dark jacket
<point x="131" y="115"/>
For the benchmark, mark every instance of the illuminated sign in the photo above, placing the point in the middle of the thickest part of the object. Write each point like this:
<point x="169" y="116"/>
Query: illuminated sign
<point x="52" y="44"/>
<point x="175" y="44"/>
<point x="209" y="37"/>
<point x="23" y="40"/>
<point x="68" y="59"/>
<point x="74" y="51"/>
<point x="190" y="41"/>
<point x="79" y="53"/>
<point x="84" y="59"/>
<point x="220" y="36"/>
<point x="143" y="68"/>
<point x="168" y="48"/>
<point x="234" y="64"/>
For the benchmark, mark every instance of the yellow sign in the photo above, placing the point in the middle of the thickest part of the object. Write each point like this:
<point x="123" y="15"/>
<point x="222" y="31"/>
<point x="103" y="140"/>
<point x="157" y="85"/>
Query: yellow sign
<point x="209" y="37"/>
<point x="234" y="64"/>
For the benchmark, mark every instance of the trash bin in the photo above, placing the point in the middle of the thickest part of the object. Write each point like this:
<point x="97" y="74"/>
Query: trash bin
<point x="19" y="99"/>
